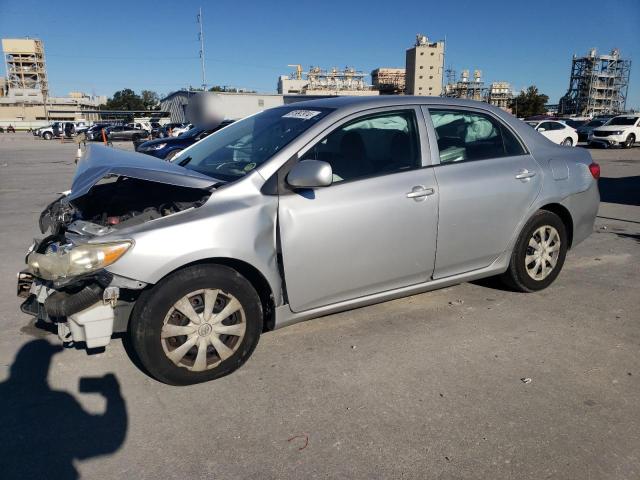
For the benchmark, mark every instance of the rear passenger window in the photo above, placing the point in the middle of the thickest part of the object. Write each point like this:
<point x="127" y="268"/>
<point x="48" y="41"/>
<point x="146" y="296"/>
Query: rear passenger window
<point x="467" y="136"/>
<point x="374" y="145"/>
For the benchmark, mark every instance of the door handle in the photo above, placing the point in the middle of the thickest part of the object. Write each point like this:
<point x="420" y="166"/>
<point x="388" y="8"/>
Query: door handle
<point x="524" y="174"/>
<point x="420" y="191"/>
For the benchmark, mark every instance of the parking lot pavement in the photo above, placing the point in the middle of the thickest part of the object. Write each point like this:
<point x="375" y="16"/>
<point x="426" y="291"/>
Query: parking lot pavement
<point x="423" y="387"/>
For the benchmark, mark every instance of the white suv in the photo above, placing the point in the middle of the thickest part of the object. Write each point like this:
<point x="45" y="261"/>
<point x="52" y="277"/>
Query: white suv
<point x="622" y="130"/>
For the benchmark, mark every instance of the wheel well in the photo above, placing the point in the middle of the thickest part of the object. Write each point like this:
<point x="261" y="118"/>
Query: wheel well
<point x="564" y="215"/>
<point x="256" y="279"/>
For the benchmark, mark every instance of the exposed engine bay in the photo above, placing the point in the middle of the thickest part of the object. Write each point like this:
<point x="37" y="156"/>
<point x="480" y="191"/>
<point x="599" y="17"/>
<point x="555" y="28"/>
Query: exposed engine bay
<point x="116" y="203"/>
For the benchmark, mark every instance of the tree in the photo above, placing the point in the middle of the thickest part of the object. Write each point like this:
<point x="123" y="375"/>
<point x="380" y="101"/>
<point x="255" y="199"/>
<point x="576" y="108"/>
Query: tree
<point x="150" y="99"/>
<point x="125" y="99"/>
<point x="529" y="103"/>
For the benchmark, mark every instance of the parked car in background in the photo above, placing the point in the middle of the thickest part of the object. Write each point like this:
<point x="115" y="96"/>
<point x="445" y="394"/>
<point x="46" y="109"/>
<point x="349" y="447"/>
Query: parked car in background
<point x="622" y="131"/>
<point x="180" y="130"/>
<point x="298" y="212"/>
<point x="167" y="148"/>
<point x="49" y="131"/>
<point x="167" y="129"/>
<point x="573" y="123"/>
<point x="585" y="130"/>
<point x="125" y="132"/>
<point x="95" y="131"/>
<point x="556" y="131"/>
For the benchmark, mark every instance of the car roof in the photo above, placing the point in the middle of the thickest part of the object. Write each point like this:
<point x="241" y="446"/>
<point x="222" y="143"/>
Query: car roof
<point x="358" y="103"/>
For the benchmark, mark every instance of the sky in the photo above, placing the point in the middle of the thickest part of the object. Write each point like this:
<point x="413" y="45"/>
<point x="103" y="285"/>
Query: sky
<point x="102" y="47"/>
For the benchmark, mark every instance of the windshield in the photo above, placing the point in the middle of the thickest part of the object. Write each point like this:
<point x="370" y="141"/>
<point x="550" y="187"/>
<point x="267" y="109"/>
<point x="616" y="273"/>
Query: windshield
<point x="239" y="148"/>
<point x="623" y="121"/>
<point x="533" y="124"/>
<point x="595" y="123"/>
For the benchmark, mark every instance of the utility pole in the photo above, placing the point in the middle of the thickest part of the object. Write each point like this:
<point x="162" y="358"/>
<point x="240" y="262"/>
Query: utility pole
<point x="201" y="37"/>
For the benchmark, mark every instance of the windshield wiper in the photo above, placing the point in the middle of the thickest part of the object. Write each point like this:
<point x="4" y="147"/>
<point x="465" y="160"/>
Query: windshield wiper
<point x="184" y="161"/>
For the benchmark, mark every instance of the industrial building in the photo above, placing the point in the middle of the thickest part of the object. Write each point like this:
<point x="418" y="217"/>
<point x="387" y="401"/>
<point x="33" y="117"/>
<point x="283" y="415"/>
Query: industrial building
<point x="499" y="94"/>
<point x="470" y="89"/>
<point x="424" y="67"/>
<point x="321" y="82"/>
<point x="25" y="100"/>
<point x="25" y="69"/>
<point x="389" y="81"/>
<point x="598" y="84"/>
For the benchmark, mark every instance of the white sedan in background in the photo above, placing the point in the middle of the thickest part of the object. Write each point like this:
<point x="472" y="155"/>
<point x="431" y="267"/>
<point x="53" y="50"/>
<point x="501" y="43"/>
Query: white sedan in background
<point x="557" y="132"/>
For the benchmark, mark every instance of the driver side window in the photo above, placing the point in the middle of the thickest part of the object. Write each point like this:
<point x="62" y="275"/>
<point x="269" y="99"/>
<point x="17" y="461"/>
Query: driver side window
<point x="378" y="144"/>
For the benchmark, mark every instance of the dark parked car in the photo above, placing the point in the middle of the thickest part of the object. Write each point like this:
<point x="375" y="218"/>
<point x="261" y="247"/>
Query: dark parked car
<point x="95" y="132"/>
<point x="126" y="132"/>
<point x="586" y="129"/>
<point x="167" y="148"/>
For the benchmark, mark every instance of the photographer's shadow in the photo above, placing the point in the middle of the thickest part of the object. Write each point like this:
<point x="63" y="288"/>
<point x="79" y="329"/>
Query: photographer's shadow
<point x="43" y="430"/>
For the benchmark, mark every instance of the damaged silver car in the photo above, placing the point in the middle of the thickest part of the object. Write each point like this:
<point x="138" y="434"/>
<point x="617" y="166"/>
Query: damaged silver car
<point x="298" y="212"/>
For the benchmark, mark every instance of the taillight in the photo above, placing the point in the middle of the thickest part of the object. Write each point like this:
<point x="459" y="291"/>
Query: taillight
<point x="594" y="168"/>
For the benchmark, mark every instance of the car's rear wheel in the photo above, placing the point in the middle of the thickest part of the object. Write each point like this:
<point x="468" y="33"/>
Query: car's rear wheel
<point x="47" y="135"/>
<point x="631" y="139"/>
<point x="198" y="324"/>
<point x="135" y="137"/>
<point x="539" y="253"/>
<point x="567" y="142"/>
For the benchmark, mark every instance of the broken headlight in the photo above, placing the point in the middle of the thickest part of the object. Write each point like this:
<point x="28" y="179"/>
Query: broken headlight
<point x="72" y="261"/>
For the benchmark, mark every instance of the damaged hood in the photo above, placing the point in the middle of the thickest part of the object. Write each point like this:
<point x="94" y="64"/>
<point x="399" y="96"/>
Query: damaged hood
<point x="101" y="162"/>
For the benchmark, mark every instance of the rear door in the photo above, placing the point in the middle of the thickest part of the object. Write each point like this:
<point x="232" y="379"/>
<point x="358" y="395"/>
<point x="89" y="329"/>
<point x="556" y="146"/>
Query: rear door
<point x="487" y="181"/>
<point x="374" y="228"/>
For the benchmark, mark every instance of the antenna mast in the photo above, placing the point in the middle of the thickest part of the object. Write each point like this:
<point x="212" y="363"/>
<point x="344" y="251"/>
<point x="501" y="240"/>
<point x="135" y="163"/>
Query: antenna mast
<point x="201" y="37"/>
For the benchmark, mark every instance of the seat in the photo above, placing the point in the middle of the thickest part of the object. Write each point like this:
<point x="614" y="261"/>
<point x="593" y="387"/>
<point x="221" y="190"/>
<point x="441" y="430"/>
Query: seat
<point x="351" y="161"/>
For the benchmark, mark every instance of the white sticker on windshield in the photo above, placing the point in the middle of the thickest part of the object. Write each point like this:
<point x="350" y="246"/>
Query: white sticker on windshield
<point x="301" y="114"/>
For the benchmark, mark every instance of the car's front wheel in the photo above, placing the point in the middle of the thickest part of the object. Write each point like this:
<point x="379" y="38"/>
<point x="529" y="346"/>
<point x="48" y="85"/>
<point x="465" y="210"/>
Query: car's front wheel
<point x="198" y="324"/>
<point x="47" y="135"/>
<point x="631" y="139"/>
<point x="539" y="253"/>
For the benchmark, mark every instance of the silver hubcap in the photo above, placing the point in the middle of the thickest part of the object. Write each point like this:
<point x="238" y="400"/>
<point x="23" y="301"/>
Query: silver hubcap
<point x="542" y="252"/>
<point x="202" y="329"/>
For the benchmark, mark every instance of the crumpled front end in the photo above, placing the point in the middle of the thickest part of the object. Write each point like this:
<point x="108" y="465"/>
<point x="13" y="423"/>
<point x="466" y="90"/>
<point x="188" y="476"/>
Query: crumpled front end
<point x="66" y="283"/>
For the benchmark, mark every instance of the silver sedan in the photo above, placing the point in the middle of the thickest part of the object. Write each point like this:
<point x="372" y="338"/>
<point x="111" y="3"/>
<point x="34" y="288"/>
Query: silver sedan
<point x="298" y="212"/>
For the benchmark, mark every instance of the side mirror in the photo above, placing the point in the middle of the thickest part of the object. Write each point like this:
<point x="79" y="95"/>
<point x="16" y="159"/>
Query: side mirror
<point x="310" y="174"/>
<point x="542" y="129"/>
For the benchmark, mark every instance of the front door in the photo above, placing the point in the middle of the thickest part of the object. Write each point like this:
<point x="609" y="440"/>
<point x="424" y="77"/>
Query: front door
<point x="374" y="229"/>
<point x="487" y="183"/>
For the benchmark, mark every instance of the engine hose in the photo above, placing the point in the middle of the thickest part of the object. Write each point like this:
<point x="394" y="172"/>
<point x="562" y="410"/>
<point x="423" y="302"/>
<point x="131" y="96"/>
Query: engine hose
<point x="62" y="304"/>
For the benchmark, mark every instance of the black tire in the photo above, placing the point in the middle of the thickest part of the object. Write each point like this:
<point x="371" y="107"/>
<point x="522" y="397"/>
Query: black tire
<point x="631" y="139"/>
<point x="153" y="306"/>
<point x="47" y="135"/>
<point x="567" y="142"/>
<point x="516" y="276"/>
<point x="172" y="154"/>
<point x="135" y="138"/>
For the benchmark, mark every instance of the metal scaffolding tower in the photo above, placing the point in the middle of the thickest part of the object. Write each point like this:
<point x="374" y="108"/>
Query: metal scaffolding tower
<point x="26" y="69"/>
<point x="598" y="84"/>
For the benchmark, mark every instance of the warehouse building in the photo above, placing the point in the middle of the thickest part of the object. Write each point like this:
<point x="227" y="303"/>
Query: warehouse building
<point x="234" y="105"/>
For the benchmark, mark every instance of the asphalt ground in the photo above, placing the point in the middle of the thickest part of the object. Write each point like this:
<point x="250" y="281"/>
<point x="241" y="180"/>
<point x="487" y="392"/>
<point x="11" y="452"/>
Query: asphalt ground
<point x="429" y="386"/>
